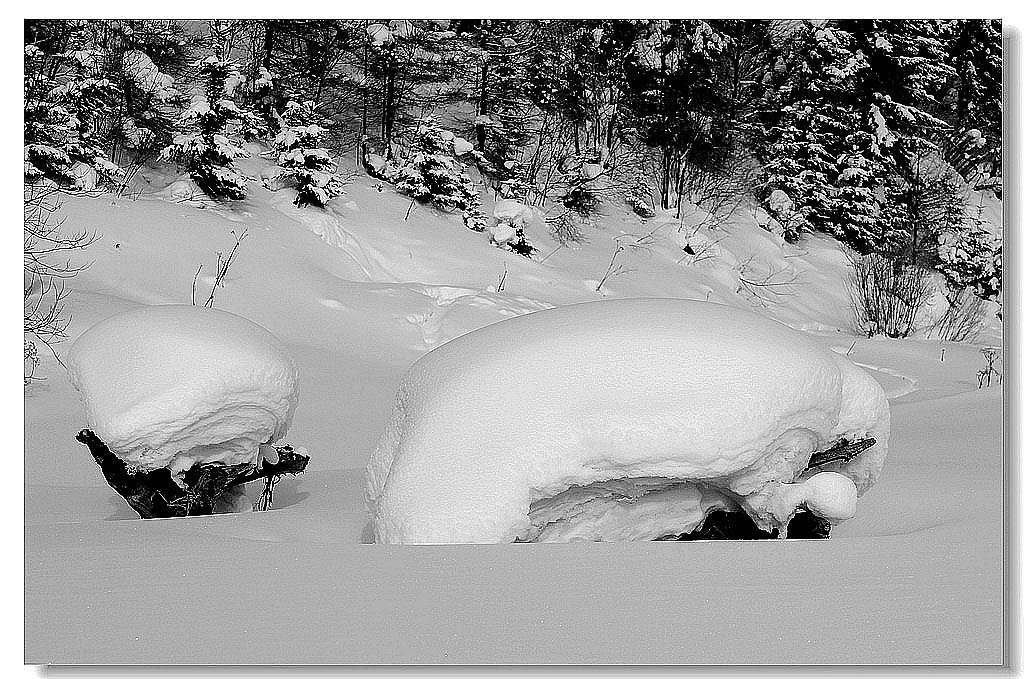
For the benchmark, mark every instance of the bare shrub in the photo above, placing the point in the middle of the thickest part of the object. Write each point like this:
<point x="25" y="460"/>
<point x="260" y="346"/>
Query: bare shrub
<point x="962" y="320"/>
<point x="991" y="354"/>
<point x="887" y="294"/>
<point x="47" y="268"/>
<point x="566" y="227"/>
<point x="720" y="191"/>
<point x="764" y="286"/>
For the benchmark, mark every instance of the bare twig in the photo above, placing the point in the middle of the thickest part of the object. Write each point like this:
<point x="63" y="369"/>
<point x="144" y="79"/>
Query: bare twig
<point x="613" y="268"/>
<point x="223" y="264"/>
<point x="501" y="281"/>
<point x="765" y="288"/>
<point x="194" y="279"/>
<point x="991" y="355"/>
<point x="46" y="316"/>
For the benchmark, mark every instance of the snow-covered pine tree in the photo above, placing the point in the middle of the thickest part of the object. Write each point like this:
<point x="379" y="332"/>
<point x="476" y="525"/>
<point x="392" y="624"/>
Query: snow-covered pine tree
<point x="302" y="154"/>
<point x="202" y="144"/>
<point x="66" y="93"/>
<point x="970" y="257"/>
<point x="853" y="123"/>
<point x="816" y="151"/>
<point x="410" y="65"/>
<point x="143" y="57"/>
<point x="974" y="146"/>
<point x="433" y="173"/>
<point x="502" y="52"/>
<point x="674" y="99"/>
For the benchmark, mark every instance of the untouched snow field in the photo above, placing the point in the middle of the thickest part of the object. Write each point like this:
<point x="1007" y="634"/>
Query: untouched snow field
<point x="356" y="295"/>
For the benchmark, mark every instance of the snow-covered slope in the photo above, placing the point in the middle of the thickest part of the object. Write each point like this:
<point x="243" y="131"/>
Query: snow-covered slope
<point x="356" y="295"/>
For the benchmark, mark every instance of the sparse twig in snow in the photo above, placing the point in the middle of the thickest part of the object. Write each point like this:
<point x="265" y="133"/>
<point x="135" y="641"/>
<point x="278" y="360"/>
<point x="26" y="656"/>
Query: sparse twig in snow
<point x="551" y="253"/>
<point x="991" y="355"/>
<point x="501" y="281"/>
<point x="766" y="288"/>
<point x="223" y="263"/>
<point x="703" y="253"/>
<point x="613" y="268"/>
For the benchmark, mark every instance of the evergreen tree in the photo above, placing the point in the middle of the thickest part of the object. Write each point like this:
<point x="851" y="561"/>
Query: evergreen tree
<point x="143" y="57"/>
<point x="66" y="94"/>
<point x="974" y="147"/>
<point x="433" y="173"/>
<point x="202" y="144"/>
<point x="307" y="164"/>
<point x="674" y="98"/>
<point x="500" y="51"/>
<point x="854" y="122"/>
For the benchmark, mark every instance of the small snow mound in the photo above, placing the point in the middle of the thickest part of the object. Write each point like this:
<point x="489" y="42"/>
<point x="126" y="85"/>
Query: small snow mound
<point x="780" y="202"/>
<point x="462" y="146"/>
<point x="502" y="233"/>
<point x="182" y="190"/>
<point x="170" y="386"/>
<point x="376" y="166"/>
<point x="86" y="177"/>
<point x="275" y="178"/>
<point x="626" y="412"/>
<point x="513" y="213"/>
<point x="830" y="496"/>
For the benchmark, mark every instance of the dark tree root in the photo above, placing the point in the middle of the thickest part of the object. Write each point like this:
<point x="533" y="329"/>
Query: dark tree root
<point x="722" y="525"/>
<point x="154" y="494"/>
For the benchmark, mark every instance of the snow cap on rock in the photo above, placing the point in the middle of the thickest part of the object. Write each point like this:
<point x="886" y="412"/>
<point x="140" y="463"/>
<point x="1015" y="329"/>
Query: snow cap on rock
<point x="513" y="212"/>
<point x="170" y="386"/>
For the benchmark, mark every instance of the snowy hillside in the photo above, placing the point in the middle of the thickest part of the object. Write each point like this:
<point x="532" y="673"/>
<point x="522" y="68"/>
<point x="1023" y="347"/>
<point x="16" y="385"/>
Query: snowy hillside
<point x="356" y="294"/>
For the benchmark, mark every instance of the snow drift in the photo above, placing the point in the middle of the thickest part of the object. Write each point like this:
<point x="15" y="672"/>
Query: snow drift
<point x="620" y="420"/>
<point x="170" y="386"/>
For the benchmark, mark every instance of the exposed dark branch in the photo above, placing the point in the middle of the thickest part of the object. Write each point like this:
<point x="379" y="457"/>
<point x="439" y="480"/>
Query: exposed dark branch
<point x="843" y="450"/>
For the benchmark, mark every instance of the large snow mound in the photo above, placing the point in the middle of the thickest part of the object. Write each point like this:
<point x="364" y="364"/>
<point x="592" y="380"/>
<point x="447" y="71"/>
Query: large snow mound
<point x="170" y="386"/>
<point x="620" y="420"/>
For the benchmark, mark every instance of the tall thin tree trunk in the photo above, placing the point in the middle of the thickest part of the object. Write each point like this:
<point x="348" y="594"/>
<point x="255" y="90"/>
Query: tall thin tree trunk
<point x="361" y="148"/>
<point x="666" y="173"/>
<point x="268" y="43"/>
<point x="481" y="129"/>
<point x="388" y="114"/>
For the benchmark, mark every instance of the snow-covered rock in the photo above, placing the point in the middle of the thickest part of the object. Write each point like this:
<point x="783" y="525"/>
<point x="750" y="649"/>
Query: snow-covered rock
<point x="780" y="203"/>
<point x="376" y="166"/>
<point x="620" y="420"/>
<point x="144" y="74"/>
<point x="513" y="213"/>
<point x="181" y="190"/>
<point x="462" y="146"/>
<point x="86" y="177"/>
<point x="275" y="178"/>
<point x="502" y="234"/>
<point x="169" y="386"/>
